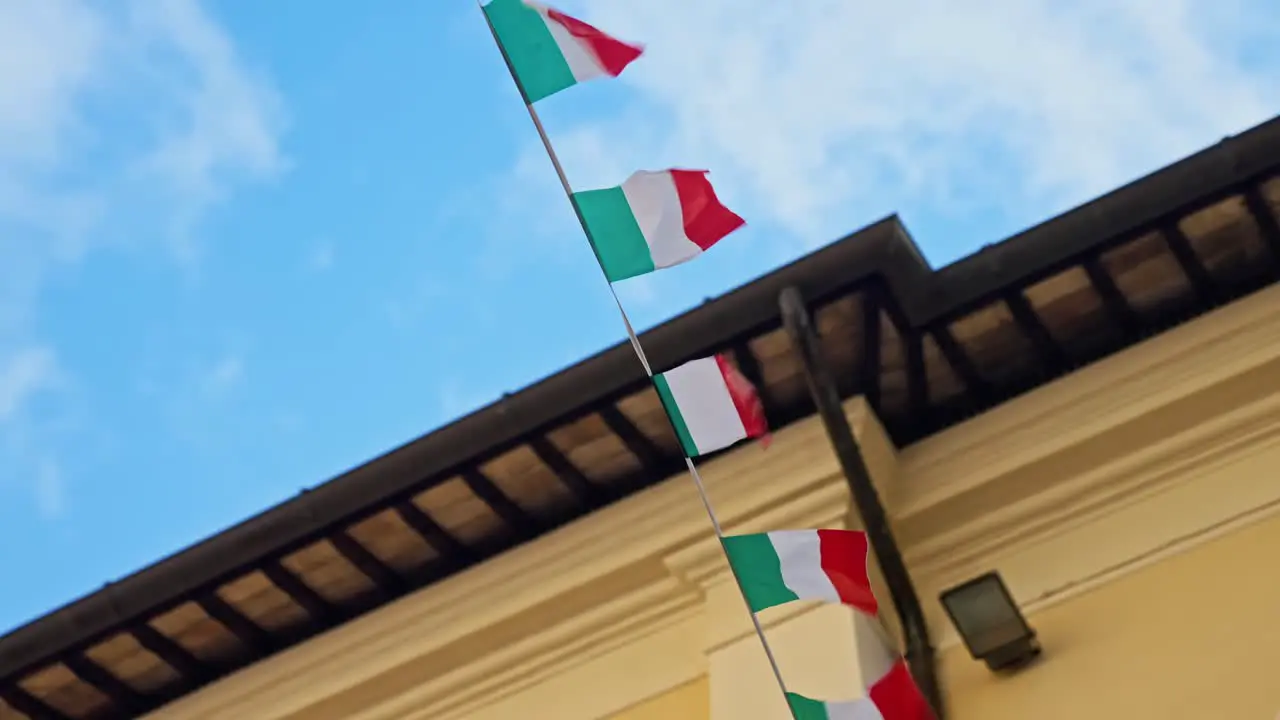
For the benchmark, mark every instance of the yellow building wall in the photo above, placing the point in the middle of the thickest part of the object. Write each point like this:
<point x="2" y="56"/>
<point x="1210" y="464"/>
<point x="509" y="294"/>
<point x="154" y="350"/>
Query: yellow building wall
<point x="1195" y="636"/>
<point x="689" y="702"/>
<point x="1131" y="507"/>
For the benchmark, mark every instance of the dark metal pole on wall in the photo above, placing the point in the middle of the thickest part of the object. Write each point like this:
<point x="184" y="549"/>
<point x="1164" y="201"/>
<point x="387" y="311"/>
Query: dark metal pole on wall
<point x="866" y="501"/>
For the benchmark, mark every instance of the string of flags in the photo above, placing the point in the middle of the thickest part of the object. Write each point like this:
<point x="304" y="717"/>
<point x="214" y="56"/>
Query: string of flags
<point x="711" y="405"/>
<point x="776" y="568"/>
<point x="655" y="220"/>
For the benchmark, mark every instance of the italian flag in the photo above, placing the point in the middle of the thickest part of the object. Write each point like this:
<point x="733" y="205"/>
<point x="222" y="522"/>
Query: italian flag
<point x="549" y="51"/>
<point x="889" y="692"/>
<point x="788" y="565"/>
<point x="711" y="405"/>
<point x="653" y="220"/>
<point x="894" y="696"/>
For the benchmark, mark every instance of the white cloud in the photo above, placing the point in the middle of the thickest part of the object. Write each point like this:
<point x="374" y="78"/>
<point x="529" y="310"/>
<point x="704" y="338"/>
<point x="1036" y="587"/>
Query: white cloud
<point x="637" y="291"/>
<point x="321" y="257"/>
<point x="228" y="120"/>
<point x="23" y="374"/>
<point x="50" y="490"/>
<point x="121" y="125"/>
<point x="529" y="203"/>
<point x="222" y="377"/>
<point x="822" y="115"/>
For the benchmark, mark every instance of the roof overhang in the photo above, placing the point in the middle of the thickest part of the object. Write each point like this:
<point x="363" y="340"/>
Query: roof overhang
<point x="927" y="348"/>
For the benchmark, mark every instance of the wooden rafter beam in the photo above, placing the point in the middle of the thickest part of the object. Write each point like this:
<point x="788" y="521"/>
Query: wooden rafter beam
<point x="249" y="633"/>
<point x="1113" y="300"/>
<point x="1051" y="354"/>
<point x="369" y="565"/>
<point x="104" y="681"/>
<point x="24" y="702"/>
<point x="1202" y="282"/>
<point x="434" y="534"/>
<point x="961" y="364"/>
<point x="298" y="591"/>
<point x="1268" y="227"/>
<point x="520" y="521"/>
<point x="588" y="494"/>
<point x="917" y="377"/>
<point x="637" y="443"/>
<point x="191" y="668"/>
<point x="869" y="347"/>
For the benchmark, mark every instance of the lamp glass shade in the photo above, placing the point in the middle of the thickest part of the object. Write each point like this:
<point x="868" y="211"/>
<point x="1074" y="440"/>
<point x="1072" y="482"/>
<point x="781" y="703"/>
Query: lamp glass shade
<point x="985" y="615"/>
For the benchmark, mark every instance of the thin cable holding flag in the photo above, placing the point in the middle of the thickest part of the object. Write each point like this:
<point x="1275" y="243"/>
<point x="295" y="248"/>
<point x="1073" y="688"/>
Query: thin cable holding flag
<point x="639" y="350"/>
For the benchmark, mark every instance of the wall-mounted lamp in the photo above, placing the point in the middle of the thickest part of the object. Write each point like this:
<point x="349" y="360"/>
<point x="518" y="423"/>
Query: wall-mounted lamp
<point x="990" y="623"/>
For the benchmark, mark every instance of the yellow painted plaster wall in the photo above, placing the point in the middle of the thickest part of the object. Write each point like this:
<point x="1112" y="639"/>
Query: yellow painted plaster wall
<point x="1132" y="508"/>
<point x="688" y="702"/>
<point x="1121" y="503"/>
<point x="1191" y="637"/>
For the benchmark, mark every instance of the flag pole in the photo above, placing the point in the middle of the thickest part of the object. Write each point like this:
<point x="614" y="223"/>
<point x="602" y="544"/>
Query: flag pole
<point x="644" y="360"/>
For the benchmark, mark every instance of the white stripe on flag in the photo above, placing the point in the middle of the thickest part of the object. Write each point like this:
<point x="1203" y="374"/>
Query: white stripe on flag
<point x="656" y="206"/>
<point x="705" y="404"/>
<point x="581" y="62"/>
<point x="876" y="657"/>
<point x="801" y="556"/>
<point x="862" y="709"/>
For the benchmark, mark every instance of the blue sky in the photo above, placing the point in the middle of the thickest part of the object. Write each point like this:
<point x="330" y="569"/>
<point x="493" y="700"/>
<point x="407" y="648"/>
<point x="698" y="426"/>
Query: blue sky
<point x="245" y="246"/>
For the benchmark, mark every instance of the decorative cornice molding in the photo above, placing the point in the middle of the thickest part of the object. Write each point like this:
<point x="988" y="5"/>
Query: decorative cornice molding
<point x="1129" y="478"/>
<point x="981" y="486"/>
<point x="1179" y="546"/>
<point x="639" y="532"/>
<point x="1249" y="500"/>
<point x="954" y="498"/>
<point x="1158" y="422"/>
<point x="532" y="660"/>
<point x="822" y="504"/>
<point x="1054" y="418"/>
<point x="695" y="569"/>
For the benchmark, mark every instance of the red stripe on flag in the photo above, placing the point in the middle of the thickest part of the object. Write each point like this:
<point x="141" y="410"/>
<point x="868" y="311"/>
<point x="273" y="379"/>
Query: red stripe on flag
<point x="897" y="698"/>
<point x="844" y="560"/>
<point x="706" y="221"/>
<point x="613" y="54"/>
<point x="745" y="399"/>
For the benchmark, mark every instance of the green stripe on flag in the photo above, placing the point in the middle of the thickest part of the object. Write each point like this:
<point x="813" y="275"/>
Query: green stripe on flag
<point x="614" y="233"/>
<point x="759" y="571"/>
<point x="673" y="412"/>
<point x="536" y="60"/>
<point x="805" y="709"/>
